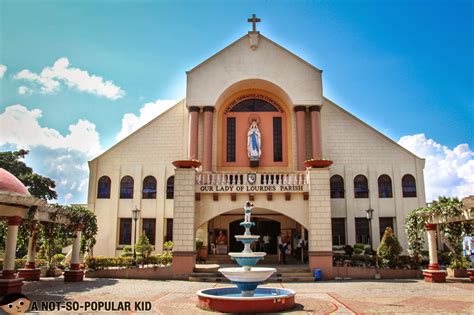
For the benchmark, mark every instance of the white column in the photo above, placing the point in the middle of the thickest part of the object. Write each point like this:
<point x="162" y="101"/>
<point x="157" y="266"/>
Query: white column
<point x="30" y="262"/>
<point x="433" y="251"/>
<point x="10" y="247"/>
<point x="76" y="248"/>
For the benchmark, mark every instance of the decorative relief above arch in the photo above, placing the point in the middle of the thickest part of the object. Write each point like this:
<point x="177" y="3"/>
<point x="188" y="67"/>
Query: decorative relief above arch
<point x="245" y="97"/>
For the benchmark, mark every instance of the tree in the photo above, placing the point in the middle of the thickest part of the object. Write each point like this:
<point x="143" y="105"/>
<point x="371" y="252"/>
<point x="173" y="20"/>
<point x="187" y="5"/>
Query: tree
<point x="389" y="249"/>
<point x="452" y="233"/>
<point x="143" y="247"/>
<point x="38" y="186"/>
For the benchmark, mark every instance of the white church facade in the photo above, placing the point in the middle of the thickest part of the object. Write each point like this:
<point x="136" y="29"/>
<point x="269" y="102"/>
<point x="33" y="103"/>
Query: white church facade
<point x="253" y="114"/>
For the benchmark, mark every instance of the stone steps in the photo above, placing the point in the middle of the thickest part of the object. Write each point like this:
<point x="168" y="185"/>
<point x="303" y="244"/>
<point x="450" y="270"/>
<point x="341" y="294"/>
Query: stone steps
<point x="209" y="273"/>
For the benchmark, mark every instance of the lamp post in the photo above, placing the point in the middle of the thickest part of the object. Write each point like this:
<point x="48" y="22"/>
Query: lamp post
<point x="369" y="212"/>
<point x="135" y="214"/>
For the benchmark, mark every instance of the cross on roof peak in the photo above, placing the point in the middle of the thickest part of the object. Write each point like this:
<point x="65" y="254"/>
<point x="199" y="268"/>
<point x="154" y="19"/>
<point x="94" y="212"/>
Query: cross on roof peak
<point x="254" y="20"/>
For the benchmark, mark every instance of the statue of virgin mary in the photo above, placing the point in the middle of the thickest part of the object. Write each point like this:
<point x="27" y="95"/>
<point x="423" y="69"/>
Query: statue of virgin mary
<point x="254" y="142"/>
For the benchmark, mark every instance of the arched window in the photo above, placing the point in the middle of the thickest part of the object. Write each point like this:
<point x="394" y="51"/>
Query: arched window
<point x="126" y="187"/>
<point x="408" y="186"/>
<point x="103" y="187"/>
<point x="149" y="188"/>
<point x="385" y="186"/>
<point x="361" y="187"/>
<point x="170" y="188"/>
<point x="337" y="186"/>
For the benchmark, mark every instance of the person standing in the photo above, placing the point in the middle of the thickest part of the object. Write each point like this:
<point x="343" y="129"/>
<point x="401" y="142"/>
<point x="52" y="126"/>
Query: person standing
<point x="283" y="246"/>
<point x="266" y="243"/>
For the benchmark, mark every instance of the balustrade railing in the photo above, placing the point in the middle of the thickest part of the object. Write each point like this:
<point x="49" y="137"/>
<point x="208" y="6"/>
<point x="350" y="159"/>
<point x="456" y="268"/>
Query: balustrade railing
<point x="264" y="178"/>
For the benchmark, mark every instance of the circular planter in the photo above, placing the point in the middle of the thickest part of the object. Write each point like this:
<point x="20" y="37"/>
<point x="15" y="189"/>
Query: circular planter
<point x="317" y="163"/>
<point x="186" y="163"/>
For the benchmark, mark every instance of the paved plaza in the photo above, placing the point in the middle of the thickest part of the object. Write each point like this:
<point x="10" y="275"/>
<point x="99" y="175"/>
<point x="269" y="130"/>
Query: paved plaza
<point x="348" y="297"/>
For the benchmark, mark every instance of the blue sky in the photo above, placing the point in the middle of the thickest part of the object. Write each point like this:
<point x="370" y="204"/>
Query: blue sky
<point x="404" y="67"/>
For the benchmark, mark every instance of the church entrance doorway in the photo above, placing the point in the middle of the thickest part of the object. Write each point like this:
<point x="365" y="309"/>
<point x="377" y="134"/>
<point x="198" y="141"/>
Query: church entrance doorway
<point x="266" y="228"/>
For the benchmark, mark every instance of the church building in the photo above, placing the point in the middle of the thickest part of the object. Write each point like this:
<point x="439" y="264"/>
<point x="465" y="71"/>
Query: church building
<point x="254" y="126"/>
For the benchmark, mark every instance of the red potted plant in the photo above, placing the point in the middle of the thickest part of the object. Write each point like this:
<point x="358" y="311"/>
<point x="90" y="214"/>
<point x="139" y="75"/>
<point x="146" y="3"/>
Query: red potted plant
<point x="318" y="163"/>
<point x="186" y="163"/>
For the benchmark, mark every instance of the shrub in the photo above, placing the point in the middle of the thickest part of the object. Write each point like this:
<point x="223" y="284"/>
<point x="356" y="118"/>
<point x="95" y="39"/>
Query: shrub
<point x="143" y="248"/>
<point x="126" y="251"/>
<point x="58" y="259"/>
<point x="349" y="250"/>
<point x="168" y="246"/>
<point x="460" y="263"/>
<point x="102" y="262"/>
<point x="389" y="249"/>
<point x="444" y="258"/>
<point x="21" y="262"/>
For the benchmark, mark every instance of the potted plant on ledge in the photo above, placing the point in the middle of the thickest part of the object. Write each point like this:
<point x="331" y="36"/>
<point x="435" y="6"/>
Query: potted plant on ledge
<point x="317" y="163"/>
<point x="186" y="163"/>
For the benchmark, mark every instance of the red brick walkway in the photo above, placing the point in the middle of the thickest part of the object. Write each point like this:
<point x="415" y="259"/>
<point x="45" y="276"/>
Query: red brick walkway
<point x="179" y="297"/>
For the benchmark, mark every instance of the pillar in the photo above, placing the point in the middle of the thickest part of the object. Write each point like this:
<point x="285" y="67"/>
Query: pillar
<point x="207" y="156"/>
<point x="30" y="272"/>
<point x="316" y="132"/>
<point x="75" y="274"/>
<point x="8" y="283"/>
<point x="320" y="234"/>
<point x="433" y="273"/>
<point x="300" y="136"/>
<point x="193" y="132"/>
<point x="184" y="247"/>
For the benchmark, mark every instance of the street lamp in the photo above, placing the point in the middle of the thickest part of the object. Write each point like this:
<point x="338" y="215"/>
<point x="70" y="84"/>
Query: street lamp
<point x="369" y="212"/>
<point x="135" y="214"/>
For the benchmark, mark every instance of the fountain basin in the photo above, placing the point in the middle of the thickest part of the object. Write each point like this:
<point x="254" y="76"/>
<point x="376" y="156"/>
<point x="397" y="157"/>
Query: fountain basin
<point x="256" y="274"/>
<point x="247" y="239"/>
<point x="247" y="260"/>
<point x="229" y="300"/>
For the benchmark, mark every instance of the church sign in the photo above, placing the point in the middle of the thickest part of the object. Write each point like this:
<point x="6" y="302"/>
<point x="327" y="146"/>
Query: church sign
<point x="274" y="188"/>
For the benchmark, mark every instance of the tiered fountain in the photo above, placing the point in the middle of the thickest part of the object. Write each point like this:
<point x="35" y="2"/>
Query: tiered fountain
<point x="246" y="297"/>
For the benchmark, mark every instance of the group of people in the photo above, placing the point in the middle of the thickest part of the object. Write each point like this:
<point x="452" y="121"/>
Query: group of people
<point x="287" y="247"/>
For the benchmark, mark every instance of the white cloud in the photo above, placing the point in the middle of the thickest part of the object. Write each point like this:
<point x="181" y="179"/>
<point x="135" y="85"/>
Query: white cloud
<point x="22" y="90"/>
<point x="20" y="127"/>
<point x="448" y="172"/>
<point x="3" y="70"/>
<point x="50" y="79"/>
<point x="60" y="157"/>
<point x="131" y="122"/>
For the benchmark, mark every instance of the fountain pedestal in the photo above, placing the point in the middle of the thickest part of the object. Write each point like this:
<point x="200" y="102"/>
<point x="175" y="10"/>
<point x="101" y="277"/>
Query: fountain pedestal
<point x="247" y="297"/>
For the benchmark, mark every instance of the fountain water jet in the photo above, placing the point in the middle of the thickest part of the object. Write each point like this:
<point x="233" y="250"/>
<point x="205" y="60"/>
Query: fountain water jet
<point x="247" y="297"/>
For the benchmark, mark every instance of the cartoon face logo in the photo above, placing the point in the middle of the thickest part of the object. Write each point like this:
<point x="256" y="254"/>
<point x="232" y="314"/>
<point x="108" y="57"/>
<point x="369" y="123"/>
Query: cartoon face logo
<point x="15" y="303"/>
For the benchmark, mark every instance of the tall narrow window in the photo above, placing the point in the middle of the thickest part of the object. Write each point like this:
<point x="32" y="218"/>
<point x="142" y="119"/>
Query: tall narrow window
<point x="361" y="187"/>
<point x="385" y="186"/>
<point x="338" y="231"/>
<point x="277" y="140"/>
<point x="362" y="230"/>
<point x="149" y="188"/>
<point x="103" y="188"/>
<point x="169" y="230"/>
<point x="125" y="231"/>
<point x="231" y="139"/>
<point x="170" y="188"/>
<point x="126" y="188"/>
<point x="149" y="226"/>
<point x="337" y="186"/>
<point x="408" y="186"/>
